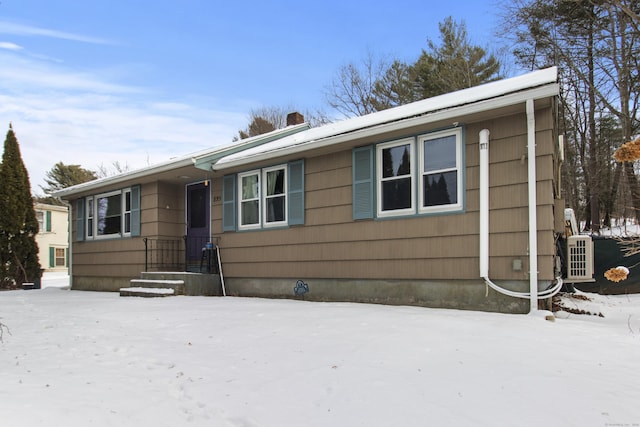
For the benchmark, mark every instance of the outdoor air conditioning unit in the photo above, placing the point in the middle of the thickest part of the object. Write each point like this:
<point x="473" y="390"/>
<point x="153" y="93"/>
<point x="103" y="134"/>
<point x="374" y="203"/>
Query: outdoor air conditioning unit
<point x="579" y="259"/>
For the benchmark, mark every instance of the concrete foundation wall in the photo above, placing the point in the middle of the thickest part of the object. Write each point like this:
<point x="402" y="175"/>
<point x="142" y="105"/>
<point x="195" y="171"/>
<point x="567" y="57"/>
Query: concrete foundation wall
<point x="451" y="294"/>
<point x="100" y="284"/>
<point x="454" y="294"/>
<point x="194" y="283"/>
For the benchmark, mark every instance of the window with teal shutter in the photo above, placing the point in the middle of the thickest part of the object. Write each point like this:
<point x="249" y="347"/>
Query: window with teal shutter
<point x="80" y="220"/>
<point x="48" y="221"/>
<point x="296" y="192"/>
<point x="363" y="180"/>
<point x="229" y="203"/>
<point x="135" y="210"/>
<point x="52" y="257"/>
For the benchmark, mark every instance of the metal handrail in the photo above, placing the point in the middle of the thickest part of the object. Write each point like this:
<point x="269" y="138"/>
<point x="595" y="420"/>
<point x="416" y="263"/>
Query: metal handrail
<point x="178" y="254"/>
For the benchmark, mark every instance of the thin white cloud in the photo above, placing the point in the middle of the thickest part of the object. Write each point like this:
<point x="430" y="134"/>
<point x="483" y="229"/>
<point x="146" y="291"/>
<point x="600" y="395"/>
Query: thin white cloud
<point x="60" y="115"/>
<point x="28" y="73"/>
<point x="98" y="130"/>
<point x="93" y="117"/>
<point x="10" y="46"/>
<point x="27" y="30"/>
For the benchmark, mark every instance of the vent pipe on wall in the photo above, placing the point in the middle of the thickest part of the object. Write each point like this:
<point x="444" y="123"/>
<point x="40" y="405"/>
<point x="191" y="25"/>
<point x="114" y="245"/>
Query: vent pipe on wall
<point x="484" y="203"/>
<point x="533" y="203"/>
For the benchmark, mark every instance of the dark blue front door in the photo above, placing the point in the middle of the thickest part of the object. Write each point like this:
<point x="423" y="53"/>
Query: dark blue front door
<point x="198" y="221"/>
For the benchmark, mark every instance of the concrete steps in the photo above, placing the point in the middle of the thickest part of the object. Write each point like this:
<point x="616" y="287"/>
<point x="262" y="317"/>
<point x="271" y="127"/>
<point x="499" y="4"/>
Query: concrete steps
<point x="146" y="292"/>
<point x="151" y="288"/>
<point x="162" y="284"/>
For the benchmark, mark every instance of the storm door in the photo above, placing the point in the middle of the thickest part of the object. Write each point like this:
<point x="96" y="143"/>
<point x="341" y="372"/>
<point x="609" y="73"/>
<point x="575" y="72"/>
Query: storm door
<point x="198" y="223"/>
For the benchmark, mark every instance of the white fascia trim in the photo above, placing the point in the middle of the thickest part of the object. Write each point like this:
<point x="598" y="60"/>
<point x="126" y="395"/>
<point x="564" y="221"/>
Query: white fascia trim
<point x="127" y="176"/>
<point x="206" y="160"/>
<point x="454" y="112"/>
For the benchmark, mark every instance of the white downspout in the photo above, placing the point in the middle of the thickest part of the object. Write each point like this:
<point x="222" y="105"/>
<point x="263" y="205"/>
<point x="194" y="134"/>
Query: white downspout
<point x="533" y="204"/>
<point x="69" y="239"/>
<point x="484" y="204"/>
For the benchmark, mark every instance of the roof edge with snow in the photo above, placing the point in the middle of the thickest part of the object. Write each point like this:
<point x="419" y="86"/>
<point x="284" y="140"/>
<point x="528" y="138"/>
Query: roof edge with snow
<point x="537" y="84"/>
<point x="191" y="159"/>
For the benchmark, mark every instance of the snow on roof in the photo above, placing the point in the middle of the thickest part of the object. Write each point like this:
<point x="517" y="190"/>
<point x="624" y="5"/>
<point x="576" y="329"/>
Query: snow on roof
<point x="178" y="162"/>
<point x="308" y="139"/>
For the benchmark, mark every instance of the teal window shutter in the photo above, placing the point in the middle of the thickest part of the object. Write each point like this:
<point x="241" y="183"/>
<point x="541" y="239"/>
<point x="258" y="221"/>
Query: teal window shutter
<point x="80" y="220"/>
<point x="296" y="192"/>
<point x="135" y="210"/>
<point x="47" y="225"/>
<point x="52" y="256"/>
<point x="229" y="203"/>
<point x="66" y="257"/>
<point x="363" y="182"/>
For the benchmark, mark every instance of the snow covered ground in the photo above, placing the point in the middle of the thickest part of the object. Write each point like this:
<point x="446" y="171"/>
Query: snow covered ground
<point x="95" y="359"/>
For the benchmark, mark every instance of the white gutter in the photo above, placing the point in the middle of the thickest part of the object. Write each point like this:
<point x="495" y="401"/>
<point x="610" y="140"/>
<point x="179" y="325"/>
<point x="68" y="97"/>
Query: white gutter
<point x="70" y="243"/>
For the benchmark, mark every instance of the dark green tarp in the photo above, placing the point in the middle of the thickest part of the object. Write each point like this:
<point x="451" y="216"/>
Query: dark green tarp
<point x="608" y="252"/>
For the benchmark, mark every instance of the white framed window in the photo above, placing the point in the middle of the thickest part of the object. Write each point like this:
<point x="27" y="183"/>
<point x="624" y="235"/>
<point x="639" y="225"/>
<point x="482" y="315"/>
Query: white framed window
<point x="274" y="180"/>
<point x="108" y="215"/>
<point x="411" y="176"/>
<point x="396" y="183"/>
<point x="60" y="257"/>
<point x="249" y="200"/>
<point x="90" y="210"/>
<point x="440" y="171"/>
<point x="264" y="198"/>
<point x="40" y="218"/>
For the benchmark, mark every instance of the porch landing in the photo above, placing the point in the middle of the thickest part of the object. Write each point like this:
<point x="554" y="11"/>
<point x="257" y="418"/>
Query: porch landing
<point x="160" y="284"/>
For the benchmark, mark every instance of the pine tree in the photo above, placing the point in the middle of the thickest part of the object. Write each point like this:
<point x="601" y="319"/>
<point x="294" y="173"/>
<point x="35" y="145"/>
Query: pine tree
<point x="18" y="224"/>
<point x="454" y="63"/>
<point x="62" y="176"/>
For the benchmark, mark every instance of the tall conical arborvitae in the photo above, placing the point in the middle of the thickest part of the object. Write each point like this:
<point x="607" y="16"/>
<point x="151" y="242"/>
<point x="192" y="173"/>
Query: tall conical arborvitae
<point x="18" y="223"/>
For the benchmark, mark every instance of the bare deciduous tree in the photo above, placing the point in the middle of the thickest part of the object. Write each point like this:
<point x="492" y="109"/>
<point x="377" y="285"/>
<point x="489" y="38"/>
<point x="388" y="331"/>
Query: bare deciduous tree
<point x="116" y="168"/>
<point x="352" y="92"/>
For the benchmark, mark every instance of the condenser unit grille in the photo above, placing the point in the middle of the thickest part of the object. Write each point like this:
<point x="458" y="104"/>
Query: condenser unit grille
<point x="580" y="258"/>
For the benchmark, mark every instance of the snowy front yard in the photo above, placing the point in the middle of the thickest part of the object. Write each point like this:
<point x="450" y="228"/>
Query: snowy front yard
<point x="82" y="358"/>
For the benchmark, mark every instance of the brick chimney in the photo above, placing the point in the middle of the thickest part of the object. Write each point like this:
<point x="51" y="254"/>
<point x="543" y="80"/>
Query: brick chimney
<point x="294" y="118"/>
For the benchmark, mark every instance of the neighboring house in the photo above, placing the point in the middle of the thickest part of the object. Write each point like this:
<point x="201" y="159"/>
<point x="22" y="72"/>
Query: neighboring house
<point x="53" y="236"/>
<point x="404" y="206"/>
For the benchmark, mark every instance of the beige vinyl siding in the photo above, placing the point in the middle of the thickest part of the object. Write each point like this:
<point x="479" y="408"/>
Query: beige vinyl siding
<point x="332" y="245"/>
<point x="108" y="258"/>
<point x="161" y="216"/>
<point x="163" y="210"/>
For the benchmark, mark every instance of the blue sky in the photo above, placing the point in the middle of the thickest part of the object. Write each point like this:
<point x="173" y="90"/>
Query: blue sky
<point x="138" y="82"/>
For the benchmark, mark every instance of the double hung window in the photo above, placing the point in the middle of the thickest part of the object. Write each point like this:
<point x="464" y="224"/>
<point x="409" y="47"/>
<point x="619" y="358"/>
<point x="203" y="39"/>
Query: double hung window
<point x="275" y="196"/>
<point x="44" y="221"/>
<point x="440" y="171"/>
<point x="60" y="257"/>
<point x="410" y="176"/>
<point x="40" y="218"/>
<point x="249" y="199"/>
<point x="263" y="198"/>
<point x="396" y="185"/>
